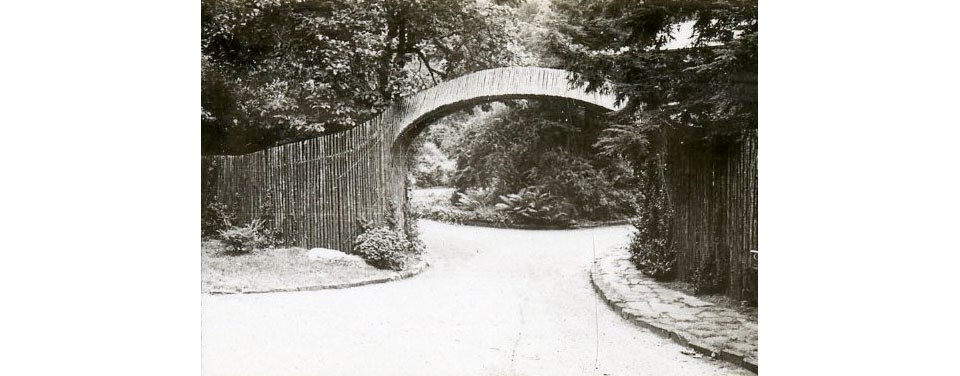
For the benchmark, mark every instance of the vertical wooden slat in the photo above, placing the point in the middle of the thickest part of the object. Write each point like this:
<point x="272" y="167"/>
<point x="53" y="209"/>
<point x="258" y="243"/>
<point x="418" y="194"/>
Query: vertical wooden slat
<point x="296" y="189"/>
<point x="324" y="197"/>
<point x="337" y="192"/>
<point x="328" y="200"/>
<point x="312" y="189"/>
<point x="347" y="179"/>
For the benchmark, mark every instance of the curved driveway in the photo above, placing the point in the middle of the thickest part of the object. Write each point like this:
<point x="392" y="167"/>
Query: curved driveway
<point x="493" y="302"/>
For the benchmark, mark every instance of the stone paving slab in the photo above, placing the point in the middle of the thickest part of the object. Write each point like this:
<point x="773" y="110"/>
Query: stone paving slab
<point x="711" y="330"/>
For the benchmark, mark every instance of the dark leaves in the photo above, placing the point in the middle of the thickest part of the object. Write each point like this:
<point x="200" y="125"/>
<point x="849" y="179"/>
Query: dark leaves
<point x="711" y="84"/>
<point x="277" y="71"/>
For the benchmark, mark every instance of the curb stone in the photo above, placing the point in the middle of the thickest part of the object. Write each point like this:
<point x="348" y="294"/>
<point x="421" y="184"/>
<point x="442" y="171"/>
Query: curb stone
<point x="620" y="307"/>
<point x="403" y="274"/>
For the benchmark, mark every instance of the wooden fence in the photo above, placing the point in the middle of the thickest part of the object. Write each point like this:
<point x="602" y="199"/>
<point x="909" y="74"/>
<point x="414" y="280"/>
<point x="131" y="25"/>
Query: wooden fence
<point x="713" y="191"/>
<point x="317" y="188"/>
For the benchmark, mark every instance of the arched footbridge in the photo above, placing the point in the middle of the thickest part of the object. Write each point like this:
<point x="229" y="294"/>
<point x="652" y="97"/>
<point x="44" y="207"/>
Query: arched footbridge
<point x="321" y="187"/>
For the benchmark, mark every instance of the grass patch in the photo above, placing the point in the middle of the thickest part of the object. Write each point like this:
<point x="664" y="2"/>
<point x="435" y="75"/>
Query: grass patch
<point x="279" y="268"/>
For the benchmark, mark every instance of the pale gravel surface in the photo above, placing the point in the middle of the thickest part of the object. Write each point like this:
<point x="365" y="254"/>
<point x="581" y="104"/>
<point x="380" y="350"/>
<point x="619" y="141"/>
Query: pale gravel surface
<point x="493" y="302"/>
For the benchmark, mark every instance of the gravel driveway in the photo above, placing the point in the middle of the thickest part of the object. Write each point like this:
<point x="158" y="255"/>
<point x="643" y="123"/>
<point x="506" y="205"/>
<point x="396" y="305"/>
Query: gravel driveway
<point x="493" y="302"/>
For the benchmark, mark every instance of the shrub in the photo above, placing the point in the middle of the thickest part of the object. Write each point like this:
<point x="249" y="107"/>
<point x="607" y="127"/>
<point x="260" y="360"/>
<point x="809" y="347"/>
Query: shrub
<point x="473" y="199"/>
<point x="267" y="221"/>
<point x="382" y="247"/>
<point x="532" y="206"/>
<point x="216" y="216"/>
<point x="217" y="219"/>
<point x="588" y="189"/>
<point x="707" y="279"/>
<point x="650" y="246"/>
<point x="388" y="247"/>
<point x="244" y="239"/>
<point x="453" y="215"/>
<point x="654" y="259"/>
<point x="412" y="231"/>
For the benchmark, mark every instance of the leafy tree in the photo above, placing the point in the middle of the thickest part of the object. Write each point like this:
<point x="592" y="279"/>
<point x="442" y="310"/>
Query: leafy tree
<point x="275" y="71"/>
<point x="712" y="84"/>
<point x="535" y="21"/>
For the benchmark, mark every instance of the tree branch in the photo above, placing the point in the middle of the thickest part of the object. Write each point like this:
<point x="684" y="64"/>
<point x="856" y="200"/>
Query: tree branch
<point x="423" y="58"/>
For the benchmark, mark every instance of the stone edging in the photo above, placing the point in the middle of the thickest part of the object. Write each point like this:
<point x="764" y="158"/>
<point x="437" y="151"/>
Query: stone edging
<point x="620" y="307"/>
<point x="403" y="274"/>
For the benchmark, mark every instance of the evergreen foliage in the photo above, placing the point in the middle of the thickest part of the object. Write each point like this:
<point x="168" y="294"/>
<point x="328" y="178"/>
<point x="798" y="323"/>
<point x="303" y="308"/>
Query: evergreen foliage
<point x="709" y="84"/>
<point x="712" y="83"/>
<point x="650" y="246"/>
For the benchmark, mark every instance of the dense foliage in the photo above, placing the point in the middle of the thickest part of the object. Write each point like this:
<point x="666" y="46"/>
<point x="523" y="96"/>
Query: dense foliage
<point x="431" y="167"/>
<point x="709" y="84"/>
<point x="389" y="246"/>
<point x="485" y="215"/>
<point x="275" y="71"/>
<point x="534" y="161"/>
<point x="382" y="247"/>
<point x="243" y="239"/>
<point x="650" y="246"/>
<point x="531" y="205"/>
<point x="215" y="216"/>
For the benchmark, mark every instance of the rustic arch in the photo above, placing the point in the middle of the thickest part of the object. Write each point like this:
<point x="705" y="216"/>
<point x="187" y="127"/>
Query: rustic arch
<point x="416" y="111"/>
<point x="321" y="187"/>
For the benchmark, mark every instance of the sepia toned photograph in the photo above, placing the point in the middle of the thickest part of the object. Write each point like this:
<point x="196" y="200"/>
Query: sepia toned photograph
<point x="479" y="187"/>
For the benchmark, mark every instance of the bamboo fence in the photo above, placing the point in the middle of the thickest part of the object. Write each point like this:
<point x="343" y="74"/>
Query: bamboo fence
<point x="713" y="191"/>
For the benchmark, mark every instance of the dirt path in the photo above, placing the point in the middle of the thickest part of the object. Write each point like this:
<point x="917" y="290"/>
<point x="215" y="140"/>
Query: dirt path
<point x="493" y="302"/>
